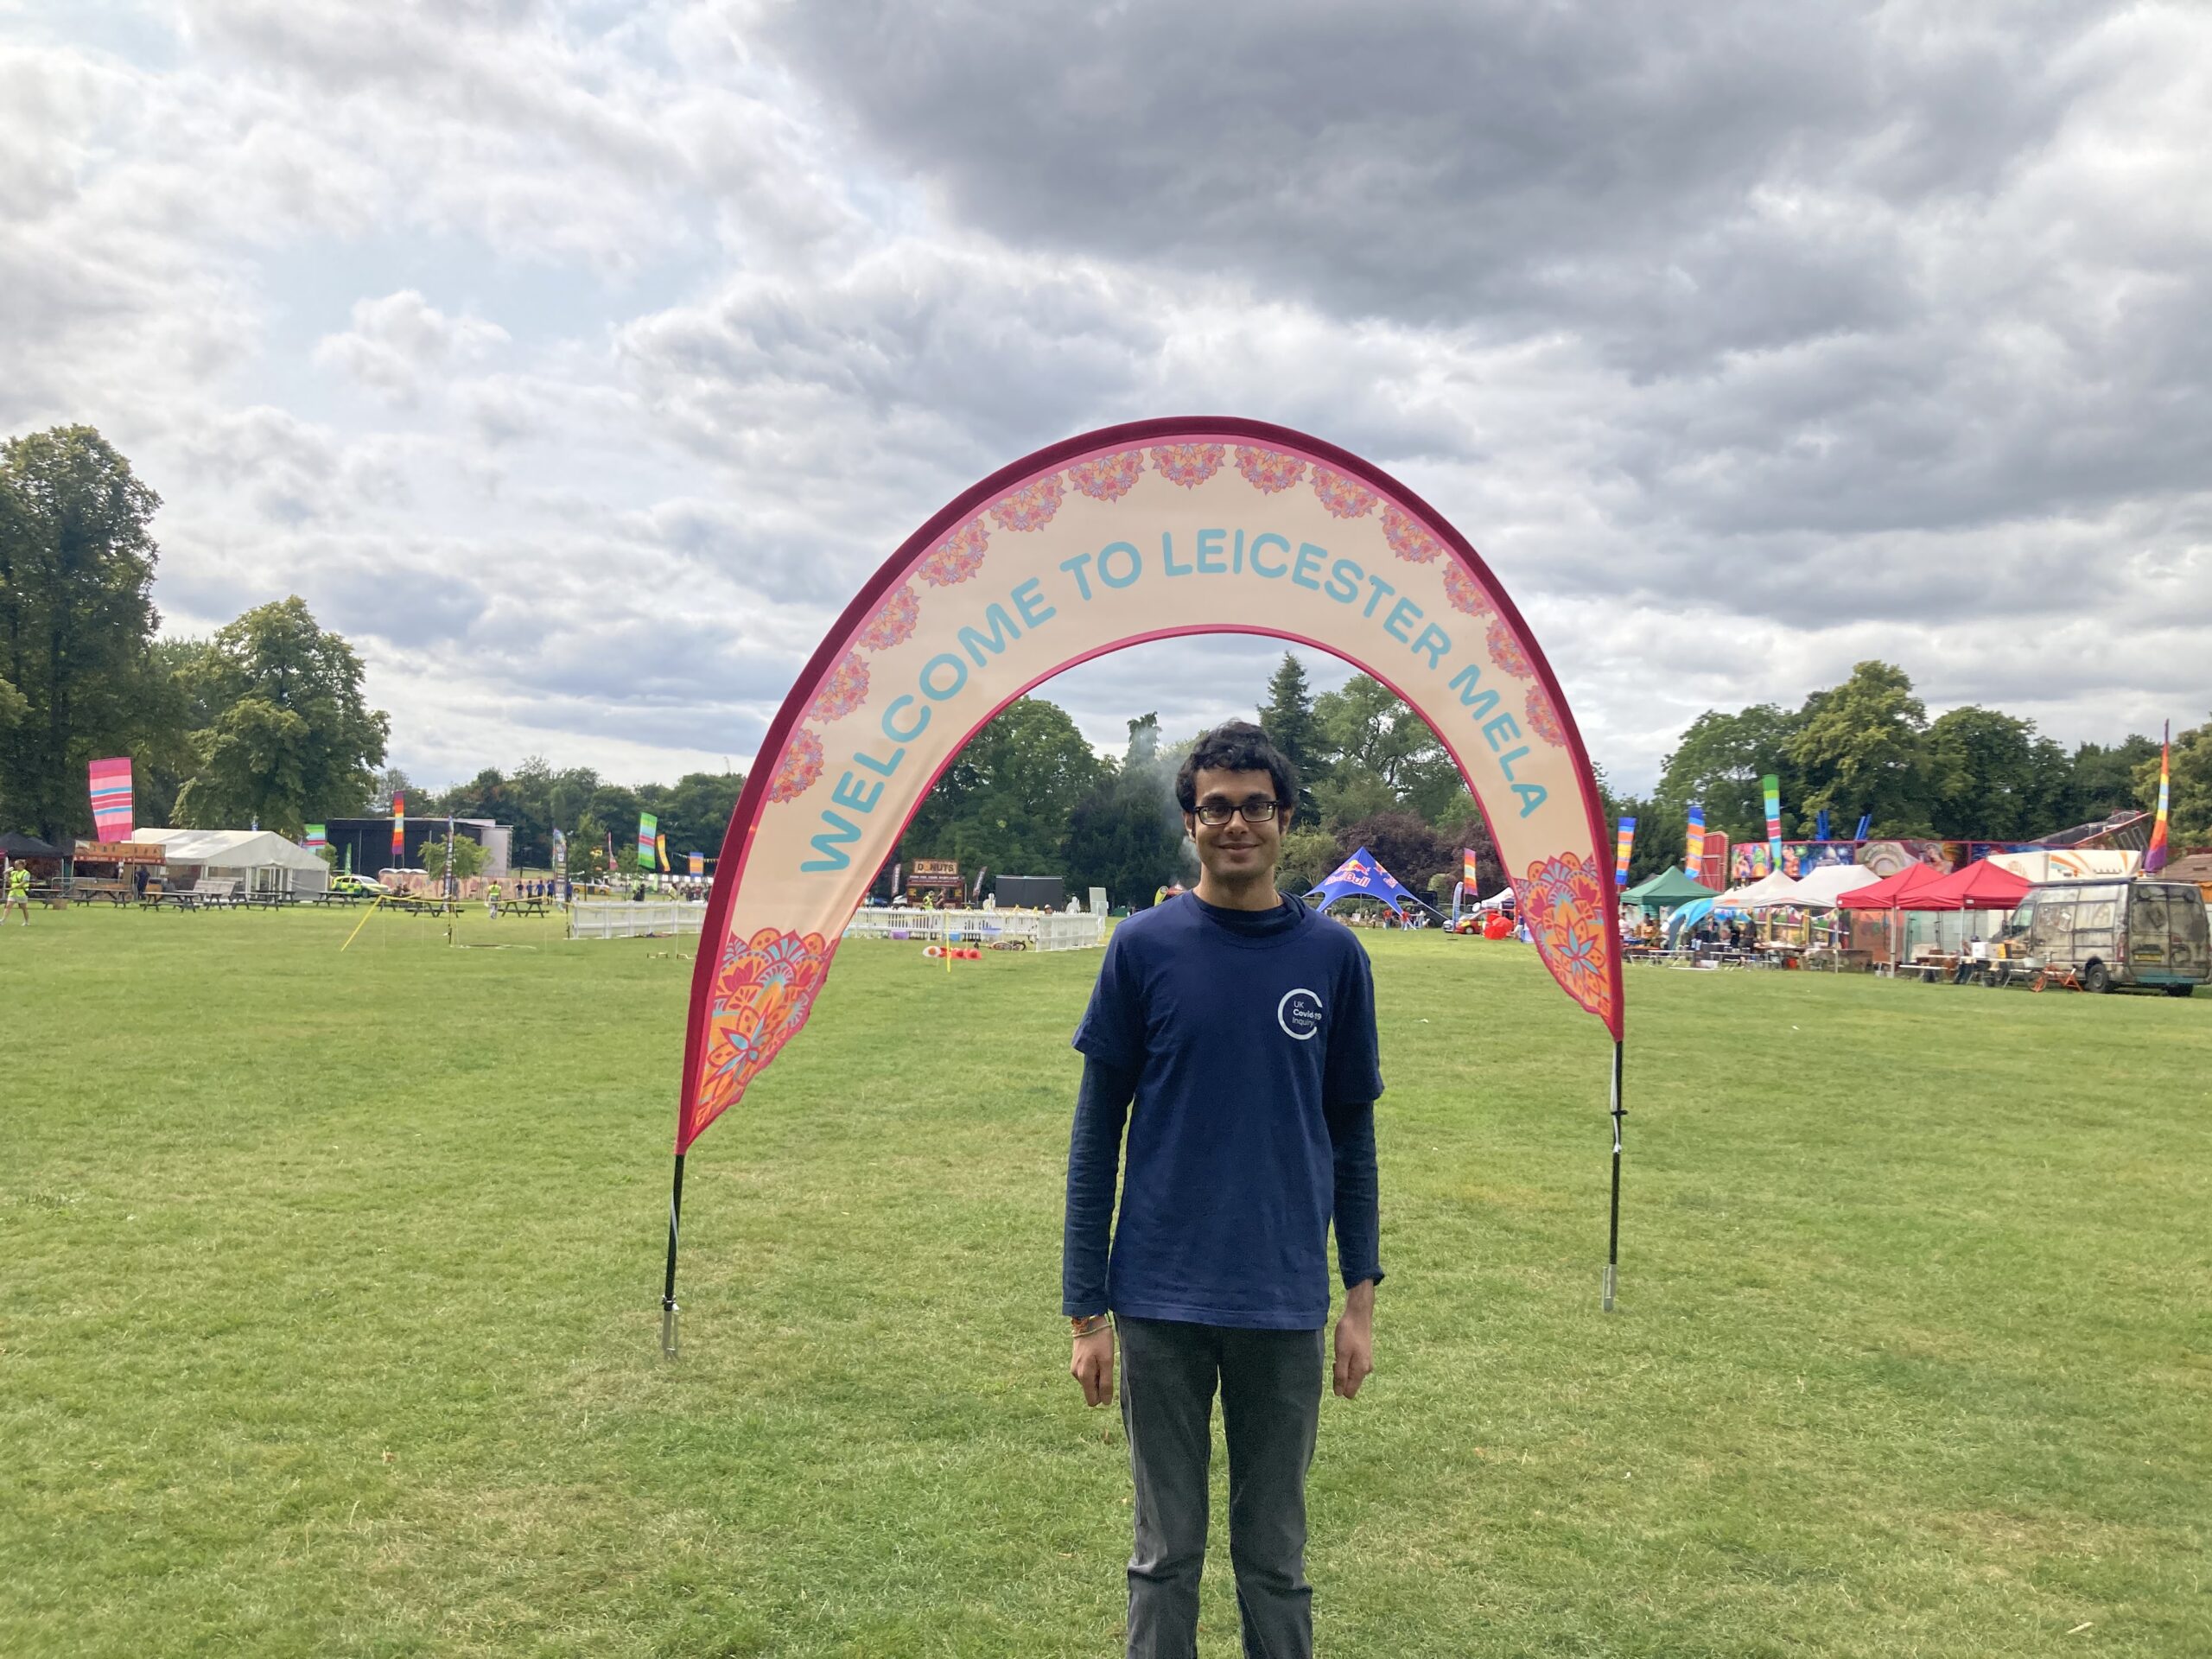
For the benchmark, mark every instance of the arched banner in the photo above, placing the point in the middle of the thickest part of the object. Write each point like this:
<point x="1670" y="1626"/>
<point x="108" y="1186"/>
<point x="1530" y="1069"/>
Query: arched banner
<point x="1130" y="534"/>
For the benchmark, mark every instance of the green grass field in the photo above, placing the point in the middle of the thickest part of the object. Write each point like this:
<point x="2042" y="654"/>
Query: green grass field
<point x="329" y="1307"/>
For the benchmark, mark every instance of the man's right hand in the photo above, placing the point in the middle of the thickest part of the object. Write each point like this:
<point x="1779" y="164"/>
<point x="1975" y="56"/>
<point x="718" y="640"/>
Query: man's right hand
<point x="1092" y="1366"/>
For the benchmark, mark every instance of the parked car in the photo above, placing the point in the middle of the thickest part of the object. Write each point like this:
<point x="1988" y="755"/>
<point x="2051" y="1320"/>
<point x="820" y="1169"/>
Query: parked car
<point x="346" y="881"/>
<point x="2114" y="932"/>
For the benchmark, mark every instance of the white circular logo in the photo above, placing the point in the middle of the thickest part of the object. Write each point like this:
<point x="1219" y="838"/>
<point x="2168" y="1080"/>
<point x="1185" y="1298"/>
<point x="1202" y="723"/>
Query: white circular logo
<point x="1299" y="1014"/>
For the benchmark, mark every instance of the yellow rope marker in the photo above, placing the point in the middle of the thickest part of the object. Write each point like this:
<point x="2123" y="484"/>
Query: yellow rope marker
<point x="374" y="906"/>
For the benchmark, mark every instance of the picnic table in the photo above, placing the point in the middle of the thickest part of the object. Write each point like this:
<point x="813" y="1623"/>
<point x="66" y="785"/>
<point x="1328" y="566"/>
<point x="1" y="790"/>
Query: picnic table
<point x="526" y="907"/>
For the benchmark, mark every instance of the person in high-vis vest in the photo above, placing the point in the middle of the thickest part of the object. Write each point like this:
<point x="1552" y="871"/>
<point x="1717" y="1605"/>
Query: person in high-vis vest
<point x="492" y="901"/>
<point x="19" y="893"/>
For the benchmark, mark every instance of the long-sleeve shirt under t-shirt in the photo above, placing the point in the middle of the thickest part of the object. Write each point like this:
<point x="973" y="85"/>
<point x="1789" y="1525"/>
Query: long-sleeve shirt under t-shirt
<point x="1239" y="1047"/>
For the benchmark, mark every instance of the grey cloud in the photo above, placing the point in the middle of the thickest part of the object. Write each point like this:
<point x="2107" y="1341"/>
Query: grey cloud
<point x="399" y="342"/>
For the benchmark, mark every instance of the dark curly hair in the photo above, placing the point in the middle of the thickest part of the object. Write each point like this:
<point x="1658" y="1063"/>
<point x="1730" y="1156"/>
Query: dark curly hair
<point x="1236" y="746"/>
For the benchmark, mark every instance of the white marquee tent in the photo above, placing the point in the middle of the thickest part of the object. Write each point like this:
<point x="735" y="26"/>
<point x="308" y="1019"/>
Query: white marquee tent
<point x="1769" y="890"/>
<point x="1820" y="889"/>
<point x="261" y="860"/>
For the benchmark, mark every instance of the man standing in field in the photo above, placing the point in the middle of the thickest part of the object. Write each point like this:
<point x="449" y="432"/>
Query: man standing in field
<point x="1241" y="1026"/>
<point x="19" y="894"/>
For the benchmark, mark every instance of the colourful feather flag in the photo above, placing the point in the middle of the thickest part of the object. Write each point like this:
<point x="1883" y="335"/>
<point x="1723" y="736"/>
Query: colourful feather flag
<point x="647" y="825"/>
<point x="1772" y="785"/>
<point x="398" y="831"/>
<point x="698" y="861"/>
<point x="111" y="799"/>
<point x="1470" y="872"/>
<point x="660" y="851"/>
<point x="1693" y="843"/>
<point x="315" y="840"/>
<point x="1627" y="840"/>
<point x="2154" y="855"/>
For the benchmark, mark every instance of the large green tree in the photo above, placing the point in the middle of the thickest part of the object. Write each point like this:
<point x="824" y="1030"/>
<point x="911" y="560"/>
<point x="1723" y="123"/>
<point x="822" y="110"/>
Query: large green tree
<point x="1126" y="835"/>
<point x="1718" y="764"/>
<point x="77" y="678"/>
<point x="2188" y="809"/>
<point x="1378" y="755"/>
<point x="1005" y="802"/>
<point x="2104" y="779"/>
<point x="1992" y="778"/>
<point x="1286" y="716"/>
<point x="1861" y="748"/>
<point x="292" y="741"/>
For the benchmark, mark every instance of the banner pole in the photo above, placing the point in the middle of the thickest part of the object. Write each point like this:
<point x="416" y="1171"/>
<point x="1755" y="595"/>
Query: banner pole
<point x="1613" y="1239"/>
<point x="668" y="1310"/>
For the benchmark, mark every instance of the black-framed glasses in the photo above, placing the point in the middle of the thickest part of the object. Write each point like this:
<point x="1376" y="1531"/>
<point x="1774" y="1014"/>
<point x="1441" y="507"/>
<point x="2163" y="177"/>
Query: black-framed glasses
<point x="1218" y="812"/>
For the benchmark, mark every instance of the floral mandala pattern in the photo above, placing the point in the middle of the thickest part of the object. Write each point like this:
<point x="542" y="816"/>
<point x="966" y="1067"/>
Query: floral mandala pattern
<point x="958" y="558"/>
<point x="1465" y="592"/>
<point x="764" y="991"/>
<point x="1543" y="719"/>
<point x="893" y="621"/>
<point x="1341" y="495"/>
<point x="843" y="691"/>
<point x="1407" y="539"/>
<point x="1188" y="464"/>
<point x="1268" y="472"/>
<point x="1563" y="900"/>
<point x="1032" y="506"/>
<point x="1505" y="650"/>
<point x="1108" y="477"/>
<point x="802" y="766"/>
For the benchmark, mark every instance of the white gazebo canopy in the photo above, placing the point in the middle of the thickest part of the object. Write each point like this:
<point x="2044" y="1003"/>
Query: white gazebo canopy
<point x="1769" y="891"/>
<point x="1820" y="889"/>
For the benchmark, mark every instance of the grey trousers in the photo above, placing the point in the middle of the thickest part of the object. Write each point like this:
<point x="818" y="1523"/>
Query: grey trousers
<point x="1270" y="1384"/>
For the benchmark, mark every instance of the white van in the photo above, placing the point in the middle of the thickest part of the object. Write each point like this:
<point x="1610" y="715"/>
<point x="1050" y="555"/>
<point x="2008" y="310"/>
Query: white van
<point x="2114" y="932"/>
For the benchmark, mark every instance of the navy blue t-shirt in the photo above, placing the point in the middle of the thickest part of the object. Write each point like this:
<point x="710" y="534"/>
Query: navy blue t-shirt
<point x="1243" y="1031"/>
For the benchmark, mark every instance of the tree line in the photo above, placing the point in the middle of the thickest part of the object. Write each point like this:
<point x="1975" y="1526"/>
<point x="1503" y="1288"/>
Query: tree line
<point x="265" y="722"/>
<point x="1867" y="748"/>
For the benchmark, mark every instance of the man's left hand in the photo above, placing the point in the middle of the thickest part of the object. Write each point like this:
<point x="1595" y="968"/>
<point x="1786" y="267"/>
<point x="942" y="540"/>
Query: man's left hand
<point x="1356" y="1339"/>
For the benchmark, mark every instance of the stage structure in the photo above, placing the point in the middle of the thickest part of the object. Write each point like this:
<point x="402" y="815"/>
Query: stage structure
<point x="1192" y="526"/>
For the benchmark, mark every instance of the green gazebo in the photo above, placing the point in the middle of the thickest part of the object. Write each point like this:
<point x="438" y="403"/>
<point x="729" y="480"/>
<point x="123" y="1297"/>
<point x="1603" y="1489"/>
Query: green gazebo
<point x="1666" y="890"/>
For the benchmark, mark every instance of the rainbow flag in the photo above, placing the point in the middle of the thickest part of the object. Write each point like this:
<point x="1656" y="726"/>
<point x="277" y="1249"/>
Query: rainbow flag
<point x="647" y="828"/>
<point x="1470" y="877"/>
<point x="1693" y="843"/>
<point x="1627" y="839"/>
<point x="698" y="862"/>
<point x="1772" y="785"/>
<point x="315" y="840"/>
<point x="2154" y="855"/>
<point x="660" y="850"/>
<point x="111" y="799"/>
<point x="398" y="831"/>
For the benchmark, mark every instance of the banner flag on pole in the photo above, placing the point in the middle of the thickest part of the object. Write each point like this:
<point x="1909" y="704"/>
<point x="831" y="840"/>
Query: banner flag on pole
<point x="1694" y="842"/>
<point x="646" y="826"/>
<point x="1821" y="824"/>
<point x="2154" y="855"/>
<point x="315" y="840"/>
<point x="399" y="830"/>
<point x="1626" y="840"/>
<point x="697" y="862"/>
<point x="1772" y="785"/>
<point x="1865" y="822"/>
<point x="112" y="808"/>
<point x="560" y="854"/>
<point x="1470" y="873"/>
<point x="610" y="849"/>
<point x="660" y="850"/>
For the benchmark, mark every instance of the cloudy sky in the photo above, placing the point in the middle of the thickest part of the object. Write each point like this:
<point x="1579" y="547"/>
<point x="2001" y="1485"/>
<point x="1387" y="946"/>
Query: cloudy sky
<point x="579" y="359"/>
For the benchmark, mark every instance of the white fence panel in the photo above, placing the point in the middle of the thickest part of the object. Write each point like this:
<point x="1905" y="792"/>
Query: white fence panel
<point x="1039" y="930"/>
<point x="619" y="919"/>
